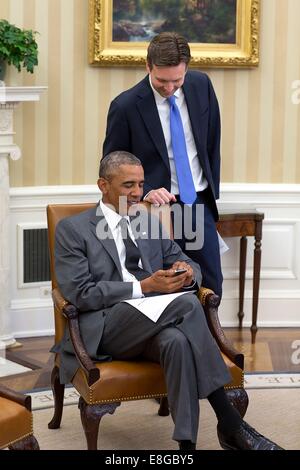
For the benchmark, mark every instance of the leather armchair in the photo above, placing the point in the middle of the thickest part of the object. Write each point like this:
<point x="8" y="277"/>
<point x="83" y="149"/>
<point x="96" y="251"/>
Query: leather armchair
<point x="16" y="430"/>
<point x="103" y="386"/>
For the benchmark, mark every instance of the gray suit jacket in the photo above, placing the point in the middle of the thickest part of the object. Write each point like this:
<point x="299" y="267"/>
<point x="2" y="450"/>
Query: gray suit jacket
<point x="89" y="274"/>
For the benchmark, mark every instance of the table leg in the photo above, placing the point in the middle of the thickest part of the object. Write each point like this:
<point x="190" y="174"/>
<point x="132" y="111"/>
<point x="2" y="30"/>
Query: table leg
<point x="256" y="279"/>
<point x="243" y="254"/>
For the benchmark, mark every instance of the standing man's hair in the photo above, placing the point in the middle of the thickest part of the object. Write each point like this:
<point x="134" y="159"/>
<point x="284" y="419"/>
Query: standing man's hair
<point x="110" y="164"/>
<point x="168" y="49"/>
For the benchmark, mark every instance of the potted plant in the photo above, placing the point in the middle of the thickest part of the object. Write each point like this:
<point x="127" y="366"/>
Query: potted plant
<point x="18" y="47"/>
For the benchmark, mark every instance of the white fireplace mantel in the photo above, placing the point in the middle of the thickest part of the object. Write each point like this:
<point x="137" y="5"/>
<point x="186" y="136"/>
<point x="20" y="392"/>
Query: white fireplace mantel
<point x="21" y="93"/>
<point x="10" y="98"/>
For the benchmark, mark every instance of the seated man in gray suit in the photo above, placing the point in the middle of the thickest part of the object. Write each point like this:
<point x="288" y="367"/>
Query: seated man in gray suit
<point x="100" y="262"/>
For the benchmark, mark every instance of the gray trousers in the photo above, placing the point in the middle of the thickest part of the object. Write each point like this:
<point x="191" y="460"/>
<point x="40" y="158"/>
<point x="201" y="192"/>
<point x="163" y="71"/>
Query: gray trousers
<point x="183" y="345"/>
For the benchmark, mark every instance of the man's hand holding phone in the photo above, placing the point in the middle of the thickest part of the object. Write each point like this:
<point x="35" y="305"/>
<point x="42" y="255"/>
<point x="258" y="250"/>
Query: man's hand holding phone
<point x="179" y="271"/>
<point x="182" y="268"/>
<point x="180" y="275"/>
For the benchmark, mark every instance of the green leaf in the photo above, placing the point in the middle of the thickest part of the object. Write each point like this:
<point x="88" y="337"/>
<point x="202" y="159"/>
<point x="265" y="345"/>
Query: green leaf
<point x="18" y="47"/>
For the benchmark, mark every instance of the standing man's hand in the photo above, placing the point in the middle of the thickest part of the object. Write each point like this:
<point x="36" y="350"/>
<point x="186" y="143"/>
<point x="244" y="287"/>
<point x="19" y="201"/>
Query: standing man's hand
<point x="159" y="197"/>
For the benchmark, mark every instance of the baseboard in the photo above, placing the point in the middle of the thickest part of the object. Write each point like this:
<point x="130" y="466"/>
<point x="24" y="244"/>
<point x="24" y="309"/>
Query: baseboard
<point x="272" y="313"/>
<point x="32" y="317"/>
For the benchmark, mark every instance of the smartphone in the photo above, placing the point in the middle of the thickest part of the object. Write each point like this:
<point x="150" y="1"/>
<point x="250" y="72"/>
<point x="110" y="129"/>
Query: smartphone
<point x="180" y="271"/>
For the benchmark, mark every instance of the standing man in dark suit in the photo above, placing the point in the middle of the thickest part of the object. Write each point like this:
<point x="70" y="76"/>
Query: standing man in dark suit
<point x="98" y="265"/>
<point x="139" y="122"/>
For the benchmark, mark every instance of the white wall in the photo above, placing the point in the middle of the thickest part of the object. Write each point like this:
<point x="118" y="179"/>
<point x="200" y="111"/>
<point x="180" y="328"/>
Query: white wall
<point x="279" y="303"/>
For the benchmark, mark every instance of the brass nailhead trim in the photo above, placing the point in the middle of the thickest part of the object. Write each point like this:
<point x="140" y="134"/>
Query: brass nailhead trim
<point x="111" y="400"/>
<point x="17" y="440"/>
<point x="141" y="397"/>
<point x="22" y="437"/>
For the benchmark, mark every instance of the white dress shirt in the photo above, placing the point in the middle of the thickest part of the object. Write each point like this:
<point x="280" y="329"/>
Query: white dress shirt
<point x="153" y="306"/>
<point x="113" y="219"/>
<point x="163" y="108"/>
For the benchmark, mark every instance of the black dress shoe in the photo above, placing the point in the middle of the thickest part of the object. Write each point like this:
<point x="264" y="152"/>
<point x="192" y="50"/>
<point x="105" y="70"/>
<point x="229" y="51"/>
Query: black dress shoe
<point x="187" y="445"/>
<point x="246" y="438"/>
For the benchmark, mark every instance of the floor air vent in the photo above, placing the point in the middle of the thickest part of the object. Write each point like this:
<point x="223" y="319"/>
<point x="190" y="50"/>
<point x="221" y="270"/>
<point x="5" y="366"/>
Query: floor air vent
<point x="36" y="255"/>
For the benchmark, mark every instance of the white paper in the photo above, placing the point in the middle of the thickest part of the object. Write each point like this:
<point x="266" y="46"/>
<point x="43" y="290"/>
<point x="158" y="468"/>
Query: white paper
<point x="223" y="247"/>
<point x="154" y="306"/>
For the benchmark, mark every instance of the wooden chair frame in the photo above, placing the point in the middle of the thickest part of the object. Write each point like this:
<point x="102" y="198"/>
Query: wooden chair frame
<point x="22" y="437"/>
<point x="92" y="410"/>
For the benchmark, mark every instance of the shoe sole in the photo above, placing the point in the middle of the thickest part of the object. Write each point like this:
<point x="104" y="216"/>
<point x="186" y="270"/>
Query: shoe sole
<point x="227" y="447"/>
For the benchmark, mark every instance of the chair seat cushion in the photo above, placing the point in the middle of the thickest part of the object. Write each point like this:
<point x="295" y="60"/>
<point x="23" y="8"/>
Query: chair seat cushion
<point x="122" y="380"/>
<point x="134" y="380"/>
<point x="15" y="422"/>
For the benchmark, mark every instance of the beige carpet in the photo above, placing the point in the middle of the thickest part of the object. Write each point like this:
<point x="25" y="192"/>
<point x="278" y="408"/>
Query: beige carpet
<point x="136" y="425"/>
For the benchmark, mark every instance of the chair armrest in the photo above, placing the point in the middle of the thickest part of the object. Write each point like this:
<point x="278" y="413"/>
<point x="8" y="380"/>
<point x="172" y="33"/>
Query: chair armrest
<point x="70" y="312"/>
<point x="17" y="397"/>
<point x="58" y="300"/>
<point x="210" y="302"/>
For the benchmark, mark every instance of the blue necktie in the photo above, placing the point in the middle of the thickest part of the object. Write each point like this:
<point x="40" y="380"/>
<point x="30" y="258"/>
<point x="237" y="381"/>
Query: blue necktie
<point x="187" y="190"/>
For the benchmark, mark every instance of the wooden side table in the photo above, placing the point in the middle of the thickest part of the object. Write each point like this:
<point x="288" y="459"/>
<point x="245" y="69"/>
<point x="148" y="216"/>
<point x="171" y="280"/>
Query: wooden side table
<point x="241" y="224"/>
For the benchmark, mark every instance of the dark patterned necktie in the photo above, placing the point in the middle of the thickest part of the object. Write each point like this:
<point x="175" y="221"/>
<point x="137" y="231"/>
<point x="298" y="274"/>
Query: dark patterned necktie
<point x="186" y="185"/>
<point x="133" y="254"/>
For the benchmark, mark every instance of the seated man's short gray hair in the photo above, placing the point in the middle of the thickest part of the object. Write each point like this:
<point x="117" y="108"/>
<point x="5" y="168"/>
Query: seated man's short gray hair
<point x="111" y="162"/>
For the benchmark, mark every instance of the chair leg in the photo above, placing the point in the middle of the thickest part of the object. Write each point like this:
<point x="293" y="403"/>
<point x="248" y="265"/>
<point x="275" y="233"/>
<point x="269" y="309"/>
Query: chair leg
<point x="58" y="394"/>
<point x="163" y="407"/>
<point x="239" y="399"/>
<point x="27" y="443"/>
<point x="90" y="418"/>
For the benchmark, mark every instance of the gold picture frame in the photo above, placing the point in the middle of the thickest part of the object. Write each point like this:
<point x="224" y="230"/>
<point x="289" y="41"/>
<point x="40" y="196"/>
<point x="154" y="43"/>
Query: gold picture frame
<point x="103" y="51"/>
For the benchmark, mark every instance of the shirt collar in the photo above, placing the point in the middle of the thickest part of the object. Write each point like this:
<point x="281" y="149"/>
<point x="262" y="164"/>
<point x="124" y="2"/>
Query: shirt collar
<point x="112" y="217"/>
<point x="160" y="99"/>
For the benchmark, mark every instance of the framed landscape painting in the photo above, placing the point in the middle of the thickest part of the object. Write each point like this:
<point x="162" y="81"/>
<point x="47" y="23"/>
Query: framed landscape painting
<point x="221" y="33"/>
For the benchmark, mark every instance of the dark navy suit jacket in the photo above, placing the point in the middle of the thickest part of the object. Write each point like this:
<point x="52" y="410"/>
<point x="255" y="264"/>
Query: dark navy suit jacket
<point x="133" y="125"/>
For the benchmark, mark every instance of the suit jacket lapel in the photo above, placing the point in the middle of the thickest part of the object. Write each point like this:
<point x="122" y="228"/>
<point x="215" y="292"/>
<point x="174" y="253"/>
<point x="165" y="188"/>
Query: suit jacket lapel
<point x="149" y="113"/>
<point x="100" y="225"/>
<point x="143" y="246"/>
<point x="103" y="234"/>
<point x="142" y="238"/>
<point x="192" y="102"/>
